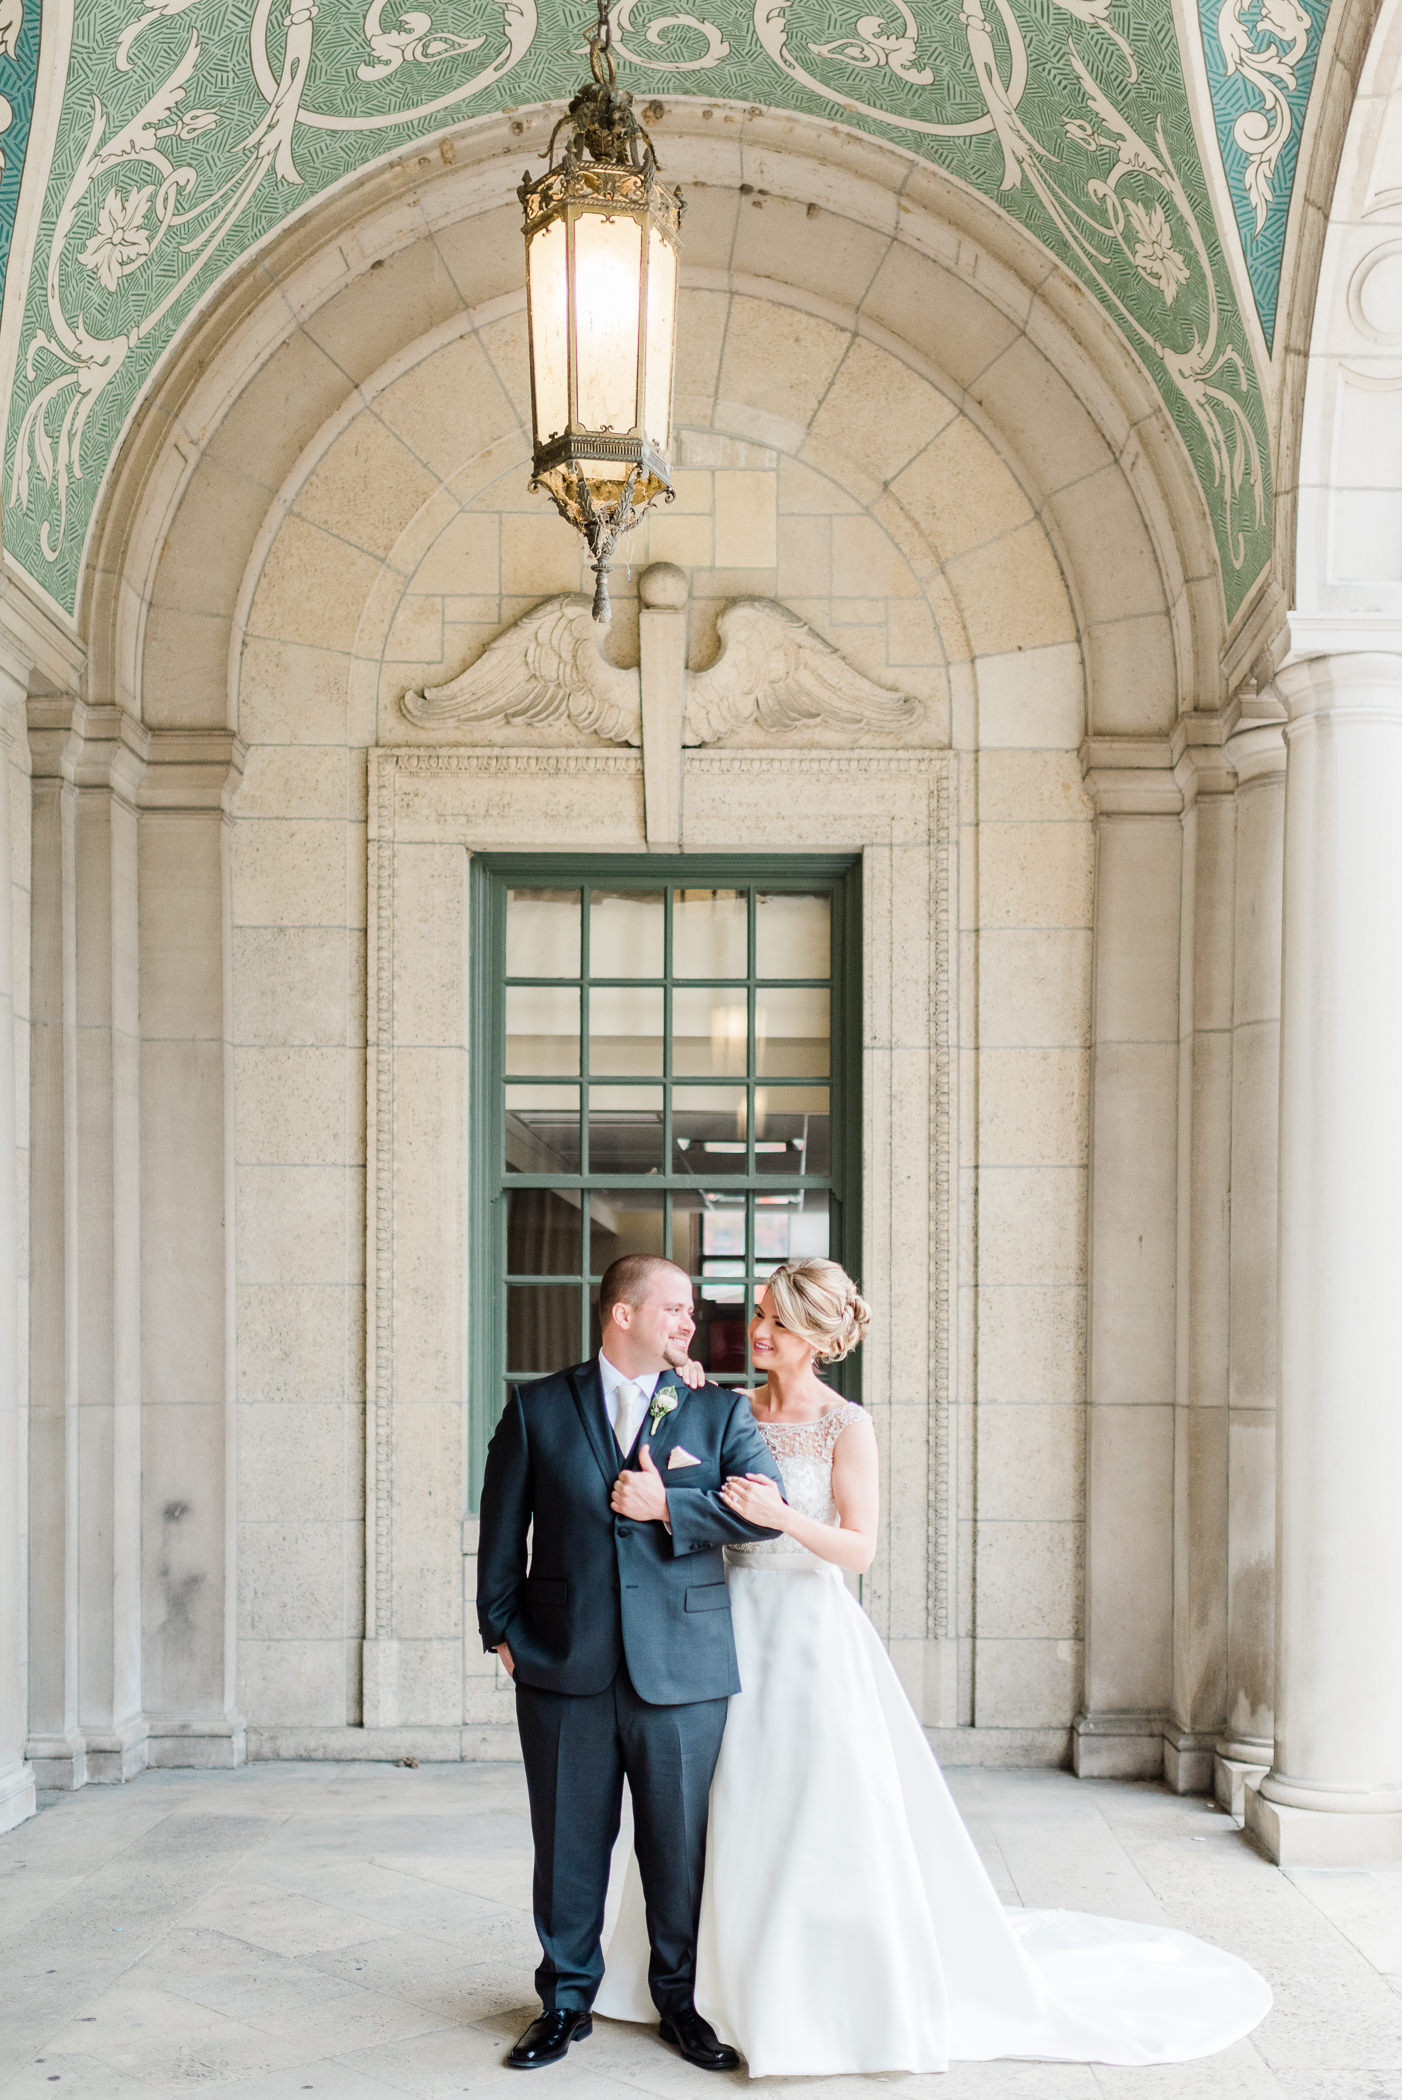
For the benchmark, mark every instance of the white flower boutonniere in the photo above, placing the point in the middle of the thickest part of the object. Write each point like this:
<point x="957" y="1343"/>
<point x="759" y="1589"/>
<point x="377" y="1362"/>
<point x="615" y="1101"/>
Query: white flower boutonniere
<point x="664" y="1400"/>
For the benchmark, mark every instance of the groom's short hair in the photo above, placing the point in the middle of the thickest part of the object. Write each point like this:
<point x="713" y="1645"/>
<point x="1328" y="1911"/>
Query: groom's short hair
<point x="628" y="1280"/>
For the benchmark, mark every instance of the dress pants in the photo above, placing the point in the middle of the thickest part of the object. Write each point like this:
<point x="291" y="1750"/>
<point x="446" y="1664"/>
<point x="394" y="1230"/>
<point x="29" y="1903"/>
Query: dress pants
<point x="577" y="1752"/>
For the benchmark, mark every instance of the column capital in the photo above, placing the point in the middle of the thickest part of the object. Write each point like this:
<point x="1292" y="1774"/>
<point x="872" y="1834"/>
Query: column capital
<point x="84" y="746"/>
<point x="1131" y="776"/>
<point x="1255" y="749"/>
<point x="191" y="769"/>
<point x="1356" y="682"/>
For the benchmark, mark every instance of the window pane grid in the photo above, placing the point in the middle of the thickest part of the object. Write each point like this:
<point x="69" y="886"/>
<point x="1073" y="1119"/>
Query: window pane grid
<point x="665" y="1072"/>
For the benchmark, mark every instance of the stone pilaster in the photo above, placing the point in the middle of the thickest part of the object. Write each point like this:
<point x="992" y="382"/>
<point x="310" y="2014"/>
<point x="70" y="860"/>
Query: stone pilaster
<point x="16" y="1773"/>
<point x="1333" y="1795"/>
<point x="1133" y="1255"/>
<point x="86" y="1713"/>
<point x="187" y="1249"/>
<point x="1256" y="751"/>
<point x="1200" y="1465"/>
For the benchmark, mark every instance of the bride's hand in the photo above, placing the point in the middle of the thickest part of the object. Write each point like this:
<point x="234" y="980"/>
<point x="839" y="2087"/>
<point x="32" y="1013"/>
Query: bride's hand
<point x="691" y="1373"/>
<point x="754" y="1497"/>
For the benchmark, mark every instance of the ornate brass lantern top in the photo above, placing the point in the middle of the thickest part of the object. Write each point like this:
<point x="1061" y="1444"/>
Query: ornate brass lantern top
<point x="601" y="284"/>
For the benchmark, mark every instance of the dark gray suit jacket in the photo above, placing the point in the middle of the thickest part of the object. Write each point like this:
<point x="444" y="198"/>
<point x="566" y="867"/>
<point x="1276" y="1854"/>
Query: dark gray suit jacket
<point x="600" y="1588"/>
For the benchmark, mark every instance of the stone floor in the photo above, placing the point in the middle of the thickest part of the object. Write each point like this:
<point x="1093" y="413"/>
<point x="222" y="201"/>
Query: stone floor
<point x="360" y="1932"/>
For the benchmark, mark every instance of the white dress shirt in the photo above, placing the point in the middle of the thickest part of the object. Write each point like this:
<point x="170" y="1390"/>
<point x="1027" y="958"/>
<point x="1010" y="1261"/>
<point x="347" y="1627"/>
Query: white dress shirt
<point x="626" y="1401"/>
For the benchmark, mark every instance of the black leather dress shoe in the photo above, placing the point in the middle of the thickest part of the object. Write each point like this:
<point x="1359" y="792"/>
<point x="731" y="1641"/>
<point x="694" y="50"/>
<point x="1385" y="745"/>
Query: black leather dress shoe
<point x="547" y="2039"/>
<point x="698" y="2042"/>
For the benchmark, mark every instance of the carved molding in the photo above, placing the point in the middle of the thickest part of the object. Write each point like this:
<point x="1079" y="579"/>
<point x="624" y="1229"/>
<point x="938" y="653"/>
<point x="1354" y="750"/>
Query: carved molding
<point x="400" y="821"/>
<point x="543" y="677"/>
<point x="776" y="676"/>
<point x="775" y="682"/>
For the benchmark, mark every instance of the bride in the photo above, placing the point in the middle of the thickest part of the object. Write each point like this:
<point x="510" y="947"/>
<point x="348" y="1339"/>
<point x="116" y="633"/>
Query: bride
<point x="847" y="1924"/>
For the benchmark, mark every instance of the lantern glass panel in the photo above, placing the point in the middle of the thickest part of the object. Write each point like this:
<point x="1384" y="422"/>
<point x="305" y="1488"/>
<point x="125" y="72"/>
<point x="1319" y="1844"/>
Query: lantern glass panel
<point x="607" y="273"/>
<point x="661" y="327"/>
<point x="549" y="284"/>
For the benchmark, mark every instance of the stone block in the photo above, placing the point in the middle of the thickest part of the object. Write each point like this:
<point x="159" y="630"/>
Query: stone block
<point x="1033" y="1107"/>
<point x="289" y="873"/>
<point x="790" y="239"/>
<point x="805" y="492"/>
<point x="1031" y="700"/>
<point x="1011" y="594"/>
<point x="290" y="693"/>
<point x="448" y="407"/>
<point x="291" y="1580"/>
<point x="1028" y="1576"/>
<point x="366" y="487"/>
<point x="746" y="519"/>
<point x="1031" y="1344"/>
<point x="778" y="359"/>
<point x="293" y="1682"/>
<point x="1036" y="875"/>
<point x="299" y="1344"/>
<point x="1034" y="986"/>
<point x="292" y="1461"/>
<point x="1032" y="1226"/>
<point x="879" y="411"/>
<point x="1031" y="1462"/>
<point x="297" y="1225"/>
<point x="295" y="985"/>
<point x="312" y="588"/>
<point x="1028" y="1684"/>
<point x="293" y="1107"/>
<point x="960" y="492"/>
<point x="408" y="294"/>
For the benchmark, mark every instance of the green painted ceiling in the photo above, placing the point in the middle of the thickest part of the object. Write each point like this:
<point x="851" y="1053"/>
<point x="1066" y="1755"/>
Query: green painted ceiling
<point x="189" y="129"/>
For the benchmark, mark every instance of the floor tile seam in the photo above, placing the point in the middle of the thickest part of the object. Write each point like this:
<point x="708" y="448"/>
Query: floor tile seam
<point x="405" y="2006"/>
<point x="114" y="1980"/>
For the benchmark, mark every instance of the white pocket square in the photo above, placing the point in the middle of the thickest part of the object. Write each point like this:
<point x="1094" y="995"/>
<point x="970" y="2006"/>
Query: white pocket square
<point x="680" y="1457"/>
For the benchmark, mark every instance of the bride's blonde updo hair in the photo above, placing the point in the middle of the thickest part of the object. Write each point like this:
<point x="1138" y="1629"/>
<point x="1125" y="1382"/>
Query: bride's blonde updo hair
<point x="818" y="1301"/>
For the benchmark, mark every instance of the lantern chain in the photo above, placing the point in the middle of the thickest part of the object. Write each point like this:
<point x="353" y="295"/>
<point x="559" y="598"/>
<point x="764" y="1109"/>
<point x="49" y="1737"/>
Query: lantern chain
<point x="601" y="59"/>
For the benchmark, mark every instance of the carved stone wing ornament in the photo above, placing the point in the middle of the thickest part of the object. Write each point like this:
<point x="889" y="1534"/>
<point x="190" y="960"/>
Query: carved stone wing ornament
<point x="544" y="675"/>
<point x="774" y="674"/>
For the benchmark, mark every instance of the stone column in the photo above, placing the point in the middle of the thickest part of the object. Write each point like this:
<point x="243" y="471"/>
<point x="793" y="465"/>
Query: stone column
<point x="1133" y="1256"/>
<point x="1256" y="751"/>
<point x="16" y="1774"/>
<point x="1333" y="1795"/>
<point x="187" y="1250"/>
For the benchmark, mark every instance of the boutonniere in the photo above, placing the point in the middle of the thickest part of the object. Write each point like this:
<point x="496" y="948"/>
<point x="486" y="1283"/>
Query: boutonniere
<point x="664" y="1400"/>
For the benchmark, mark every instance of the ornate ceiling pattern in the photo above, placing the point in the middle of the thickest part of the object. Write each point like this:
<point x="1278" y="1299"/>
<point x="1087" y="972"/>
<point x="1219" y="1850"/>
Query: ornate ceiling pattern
<point x="1260" y="57"/>
<point x="190" y="129"/>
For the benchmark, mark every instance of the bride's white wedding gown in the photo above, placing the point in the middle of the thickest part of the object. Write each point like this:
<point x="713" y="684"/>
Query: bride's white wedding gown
<point x="847" y="1923"/>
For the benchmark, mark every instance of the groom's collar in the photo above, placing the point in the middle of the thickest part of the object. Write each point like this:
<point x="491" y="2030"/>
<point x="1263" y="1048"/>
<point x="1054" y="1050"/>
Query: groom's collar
<point x="610" y="1378"/>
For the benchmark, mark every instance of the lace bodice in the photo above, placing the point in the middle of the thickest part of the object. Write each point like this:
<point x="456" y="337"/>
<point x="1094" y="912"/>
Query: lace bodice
<point x="803" y="1453"/>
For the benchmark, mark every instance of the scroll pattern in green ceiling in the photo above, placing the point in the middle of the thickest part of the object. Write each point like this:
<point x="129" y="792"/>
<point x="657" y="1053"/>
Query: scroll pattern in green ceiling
<point x="1260" y="57"/>
<point x="190" y="129"/>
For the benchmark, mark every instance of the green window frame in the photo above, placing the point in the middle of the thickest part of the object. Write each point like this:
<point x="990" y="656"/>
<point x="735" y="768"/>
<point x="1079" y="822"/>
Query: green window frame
<point x="540" y="1192"/>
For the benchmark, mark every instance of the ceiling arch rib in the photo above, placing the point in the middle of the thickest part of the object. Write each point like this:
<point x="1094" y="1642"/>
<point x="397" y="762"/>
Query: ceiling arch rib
<point x="187" y="136"/>
<point x="928" y="279"/>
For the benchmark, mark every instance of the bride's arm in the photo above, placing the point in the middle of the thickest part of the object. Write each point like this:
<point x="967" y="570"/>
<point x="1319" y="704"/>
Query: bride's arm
<point x="851" y="1543"/>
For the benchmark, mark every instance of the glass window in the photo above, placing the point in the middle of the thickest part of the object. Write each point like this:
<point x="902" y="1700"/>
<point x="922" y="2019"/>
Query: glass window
<point x="660" y="1076"/>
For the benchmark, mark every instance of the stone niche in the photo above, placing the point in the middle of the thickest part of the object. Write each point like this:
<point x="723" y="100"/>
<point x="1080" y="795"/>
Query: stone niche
<point x="403" y="555"/>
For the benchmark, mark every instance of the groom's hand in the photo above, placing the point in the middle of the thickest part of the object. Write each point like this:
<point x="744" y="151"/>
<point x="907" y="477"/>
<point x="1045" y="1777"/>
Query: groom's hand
<point x="641" y="1496"/>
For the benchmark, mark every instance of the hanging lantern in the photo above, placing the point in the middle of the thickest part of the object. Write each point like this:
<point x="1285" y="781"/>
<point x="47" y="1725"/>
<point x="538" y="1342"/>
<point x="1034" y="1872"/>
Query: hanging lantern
<point x="601" y="287"/>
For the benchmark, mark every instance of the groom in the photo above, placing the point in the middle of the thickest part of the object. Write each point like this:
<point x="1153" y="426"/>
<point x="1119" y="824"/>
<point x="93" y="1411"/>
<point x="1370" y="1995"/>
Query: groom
<point x="618" y="1637"/>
